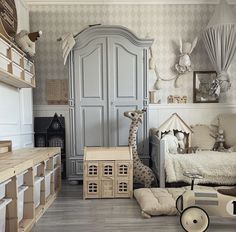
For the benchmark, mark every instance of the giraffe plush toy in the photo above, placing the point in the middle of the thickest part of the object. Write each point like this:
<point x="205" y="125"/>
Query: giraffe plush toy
<point x="142" y="173"/>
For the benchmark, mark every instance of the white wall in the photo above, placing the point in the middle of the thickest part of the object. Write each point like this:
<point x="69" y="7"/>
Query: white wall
<point x="16" y="120"/>
<point x="191" y="113"/>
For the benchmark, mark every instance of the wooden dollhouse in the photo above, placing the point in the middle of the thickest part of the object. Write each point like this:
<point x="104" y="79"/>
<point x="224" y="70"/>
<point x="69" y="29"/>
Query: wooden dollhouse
<point x="108" y="172"/>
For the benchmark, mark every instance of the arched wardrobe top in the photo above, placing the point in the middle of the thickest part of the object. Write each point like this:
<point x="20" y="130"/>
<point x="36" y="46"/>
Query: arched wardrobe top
<point x="92" y="32"/>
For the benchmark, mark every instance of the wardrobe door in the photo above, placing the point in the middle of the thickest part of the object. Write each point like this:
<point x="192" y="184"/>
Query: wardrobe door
<point x="125" y="90"/>
<point x="91" y="95"/>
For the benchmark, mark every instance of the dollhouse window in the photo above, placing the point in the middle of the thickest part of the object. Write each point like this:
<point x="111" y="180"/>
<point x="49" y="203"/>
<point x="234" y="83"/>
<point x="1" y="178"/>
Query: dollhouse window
<point x="123" y="187"/>
<point x="108" y="170"/>
<point x="93" y="170"/>
<point x="123" y="169"/>
<point x="40" y="141"/>
<point x="92" y="188"/>
<point x="56" y="142"/>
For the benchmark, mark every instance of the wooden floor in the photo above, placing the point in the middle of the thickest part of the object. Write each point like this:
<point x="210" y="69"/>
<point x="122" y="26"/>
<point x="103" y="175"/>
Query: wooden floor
<point x="71" y="213"/>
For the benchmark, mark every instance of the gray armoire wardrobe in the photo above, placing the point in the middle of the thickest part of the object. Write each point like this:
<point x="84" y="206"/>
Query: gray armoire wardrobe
<point x="108" y="75"/>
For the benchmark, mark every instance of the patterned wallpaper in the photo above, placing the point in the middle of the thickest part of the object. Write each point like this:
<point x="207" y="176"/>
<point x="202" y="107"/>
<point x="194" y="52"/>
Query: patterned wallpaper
<point x="164" y="23"/>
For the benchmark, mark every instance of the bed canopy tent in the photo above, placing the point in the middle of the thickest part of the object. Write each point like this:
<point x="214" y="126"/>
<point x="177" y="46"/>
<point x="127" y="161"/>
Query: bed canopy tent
<point x="175" y="123"/>
<point x="219" y="38"/>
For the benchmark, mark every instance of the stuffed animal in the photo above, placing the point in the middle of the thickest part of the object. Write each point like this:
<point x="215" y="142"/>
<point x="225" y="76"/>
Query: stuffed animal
<point x="171" y="142"/>
<point x="180" y="136"/>
<point x="220" y="141"/>
<point x="26" y="41"/>
<point x="186" y="49"/>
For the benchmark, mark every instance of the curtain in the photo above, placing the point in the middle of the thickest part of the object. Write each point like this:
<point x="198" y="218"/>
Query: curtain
<point x="220" y="41"/>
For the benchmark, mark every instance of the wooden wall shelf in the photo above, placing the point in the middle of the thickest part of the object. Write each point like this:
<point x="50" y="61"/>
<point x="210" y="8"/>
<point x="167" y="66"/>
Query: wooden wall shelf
<point x="36" y="161"/>
<point x="12" y="80"/>
<point x="15" y="68"/>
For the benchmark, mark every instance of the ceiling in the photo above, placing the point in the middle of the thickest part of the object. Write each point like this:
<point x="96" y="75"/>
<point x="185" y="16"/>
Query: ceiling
<point x="126" y="1"/>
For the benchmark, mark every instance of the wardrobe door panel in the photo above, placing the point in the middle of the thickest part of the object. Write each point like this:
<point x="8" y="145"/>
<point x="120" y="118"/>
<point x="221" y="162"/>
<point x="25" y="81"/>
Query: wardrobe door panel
<point x="92" y="75"/>
<point x="125" y="73"/>
<point x="92" y="129"/>
<point x="125" y="87"/>
<point x="91" y="95"/>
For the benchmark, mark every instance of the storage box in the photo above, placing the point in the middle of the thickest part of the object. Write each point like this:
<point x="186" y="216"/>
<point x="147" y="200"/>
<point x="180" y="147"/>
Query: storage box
<point x="20" y="178"/>
<point x="3" y="205"/>
<point x="56" y="161"/>
<point x="56" y="174"/>
<point x="28" y="76"/>
<point x="17" y="57"/>
<point x="4" y="62"/>
<point x="37" y="191"/>
<point x="3" y="188"/>
<point x="5" y="146"/>
<point x="108" y="172"/>
<point x="28" y="66"/>
<point x="4" y="47"/>
<point x="20" y="201"/>
<point x="35" y="169"/>
<point x="17" y="70"/>
<point x="48" y="178"/>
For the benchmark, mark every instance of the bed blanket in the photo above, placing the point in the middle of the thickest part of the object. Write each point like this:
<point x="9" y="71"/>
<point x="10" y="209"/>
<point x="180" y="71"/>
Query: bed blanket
<point x="216" y="167"/>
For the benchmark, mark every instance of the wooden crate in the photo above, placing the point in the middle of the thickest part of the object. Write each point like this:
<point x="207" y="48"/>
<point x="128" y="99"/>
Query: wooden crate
<point x="108" y="172"/>
<point x="5" y="146"/>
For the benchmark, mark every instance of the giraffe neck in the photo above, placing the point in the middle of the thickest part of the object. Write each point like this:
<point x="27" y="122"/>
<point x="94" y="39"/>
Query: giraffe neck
<point x="132" y="138"/>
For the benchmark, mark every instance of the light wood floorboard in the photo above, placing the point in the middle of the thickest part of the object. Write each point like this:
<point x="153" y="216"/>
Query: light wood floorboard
<point x="70" y="213"/>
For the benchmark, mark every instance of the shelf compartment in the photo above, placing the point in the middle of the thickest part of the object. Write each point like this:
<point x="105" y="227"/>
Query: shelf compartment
<point x="4" y="62"/>
<point x="10" y="79"/>
<point x="37" y="191"/>
<point x="4" y="47"/>
<point x="20" y="202"/>
<point x="3" y="206"/>
<point x="3" y="188"/>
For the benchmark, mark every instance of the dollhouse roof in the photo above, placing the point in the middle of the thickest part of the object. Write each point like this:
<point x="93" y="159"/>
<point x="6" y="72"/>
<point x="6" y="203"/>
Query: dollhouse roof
<point x="175" y="122"/>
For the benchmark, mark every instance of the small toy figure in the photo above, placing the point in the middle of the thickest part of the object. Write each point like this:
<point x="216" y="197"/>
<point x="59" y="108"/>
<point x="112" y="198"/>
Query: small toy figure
<point x="186" y="49"/>
<point x="220" y="141"/>
<point x="180" y="136"/>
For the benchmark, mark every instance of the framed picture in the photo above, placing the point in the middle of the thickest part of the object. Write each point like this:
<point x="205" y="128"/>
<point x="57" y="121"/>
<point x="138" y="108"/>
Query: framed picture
<point x="202" y="81"/>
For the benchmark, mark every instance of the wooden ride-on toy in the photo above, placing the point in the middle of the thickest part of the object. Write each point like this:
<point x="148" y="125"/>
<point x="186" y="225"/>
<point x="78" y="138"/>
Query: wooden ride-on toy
<point x="195" y="206"/>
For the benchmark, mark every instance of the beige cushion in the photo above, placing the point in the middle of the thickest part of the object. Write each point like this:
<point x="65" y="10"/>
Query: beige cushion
<point x="202" y="138"/>
<point x="227" y="122"/>
<point x="161" y="201"/>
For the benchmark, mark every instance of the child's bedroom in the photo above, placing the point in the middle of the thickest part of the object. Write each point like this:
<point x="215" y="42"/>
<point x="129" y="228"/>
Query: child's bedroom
<point x="117" y="115"/>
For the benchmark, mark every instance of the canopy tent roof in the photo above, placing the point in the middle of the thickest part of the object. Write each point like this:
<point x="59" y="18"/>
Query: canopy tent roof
<point x="175" y="122"/>
<point x="223" y="15"/>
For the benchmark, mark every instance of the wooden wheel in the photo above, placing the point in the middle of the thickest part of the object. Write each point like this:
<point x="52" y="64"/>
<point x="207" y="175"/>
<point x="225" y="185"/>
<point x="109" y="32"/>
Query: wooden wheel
<point x="194" y="219"/>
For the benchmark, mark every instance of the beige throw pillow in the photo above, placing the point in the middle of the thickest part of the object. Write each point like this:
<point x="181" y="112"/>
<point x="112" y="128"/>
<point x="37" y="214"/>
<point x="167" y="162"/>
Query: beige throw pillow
<point x="227" y="122"/>
<point x="202" y="138"/>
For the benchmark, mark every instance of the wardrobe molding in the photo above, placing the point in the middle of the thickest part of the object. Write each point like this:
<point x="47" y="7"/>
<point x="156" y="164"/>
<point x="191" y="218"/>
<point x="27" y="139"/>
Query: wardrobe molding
<point x="135" y="2"/>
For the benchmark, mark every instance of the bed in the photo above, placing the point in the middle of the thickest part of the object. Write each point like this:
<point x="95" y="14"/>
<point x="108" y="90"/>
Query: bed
<point x="218" y="168"/>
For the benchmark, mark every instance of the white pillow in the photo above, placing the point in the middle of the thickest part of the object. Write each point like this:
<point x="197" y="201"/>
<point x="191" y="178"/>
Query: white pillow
<point x="202" y="138"/>
<point x="171" y="143"/>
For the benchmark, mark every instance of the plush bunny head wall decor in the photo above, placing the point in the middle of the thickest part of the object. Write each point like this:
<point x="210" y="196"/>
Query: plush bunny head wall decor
<point x="26" y="41"/>
<point x="186" y="49"/>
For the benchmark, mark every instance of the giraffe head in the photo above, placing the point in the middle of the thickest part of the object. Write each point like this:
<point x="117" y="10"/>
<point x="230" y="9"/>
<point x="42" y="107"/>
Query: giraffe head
<point x="136" y="115"/>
